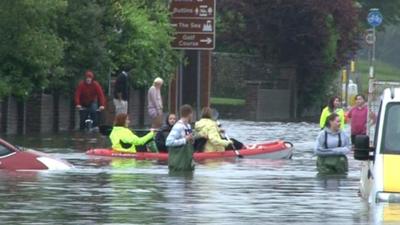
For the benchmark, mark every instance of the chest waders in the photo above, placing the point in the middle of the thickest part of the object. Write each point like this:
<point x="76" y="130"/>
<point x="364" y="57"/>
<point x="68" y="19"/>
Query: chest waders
<point x="335" y="164"/>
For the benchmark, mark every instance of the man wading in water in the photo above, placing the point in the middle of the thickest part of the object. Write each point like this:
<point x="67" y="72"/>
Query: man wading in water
<point x="180" y="142"/>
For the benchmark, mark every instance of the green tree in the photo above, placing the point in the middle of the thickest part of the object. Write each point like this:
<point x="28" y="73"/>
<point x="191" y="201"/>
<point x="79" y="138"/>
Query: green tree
<point x="83" y="27"/>
<point x="141" y="40"/>
<point x="316" y="36"/>
<point x="30" y="49"/>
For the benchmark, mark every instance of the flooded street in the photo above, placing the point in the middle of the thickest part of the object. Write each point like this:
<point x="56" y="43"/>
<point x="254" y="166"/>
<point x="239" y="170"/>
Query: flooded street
<point x="241" y="191"/>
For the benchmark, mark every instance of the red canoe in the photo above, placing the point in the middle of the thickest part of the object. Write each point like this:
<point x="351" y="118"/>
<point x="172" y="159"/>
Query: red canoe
<point x="270" y="150"/>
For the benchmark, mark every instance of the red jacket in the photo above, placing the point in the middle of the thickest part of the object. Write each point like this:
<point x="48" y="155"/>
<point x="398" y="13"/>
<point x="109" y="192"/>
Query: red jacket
<point x="85" y="94"/>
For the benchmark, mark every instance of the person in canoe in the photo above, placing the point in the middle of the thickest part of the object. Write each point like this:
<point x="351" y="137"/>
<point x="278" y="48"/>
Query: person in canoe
<point x="163" y="133"/>
<point x="123" y="139"/>
<point x="331" y="148"/>
<point x="207" y="128"/>
<point x="333" y="107"/>
<point x="180" y="142"/>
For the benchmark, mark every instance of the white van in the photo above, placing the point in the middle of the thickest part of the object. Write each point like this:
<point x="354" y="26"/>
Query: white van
<point x="380" y="173"/>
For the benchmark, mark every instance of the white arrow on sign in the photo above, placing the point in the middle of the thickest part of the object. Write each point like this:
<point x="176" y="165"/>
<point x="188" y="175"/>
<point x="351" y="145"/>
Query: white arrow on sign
<point x="208" y="40"/>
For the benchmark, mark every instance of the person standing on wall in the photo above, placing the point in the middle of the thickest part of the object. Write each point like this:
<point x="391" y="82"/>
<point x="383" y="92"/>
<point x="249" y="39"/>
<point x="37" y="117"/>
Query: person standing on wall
<point x="88" y="96"/>
<point x="155" y="105"/>
<point x="121" y="93"/>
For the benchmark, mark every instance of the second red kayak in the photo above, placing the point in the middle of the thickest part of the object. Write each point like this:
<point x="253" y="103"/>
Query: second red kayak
<point x="271" y="150"/>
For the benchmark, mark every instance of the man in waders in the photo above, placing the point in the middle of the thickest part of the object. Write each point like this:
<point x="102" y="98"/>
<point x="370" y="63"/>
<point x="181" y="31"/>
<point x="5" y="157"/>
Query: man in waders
<point x="180" y="142"/>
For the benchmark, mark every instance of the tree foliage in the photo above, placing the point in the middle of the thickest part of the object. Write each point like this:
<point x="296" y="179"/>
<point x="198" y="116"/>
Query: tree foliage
<point x="48" y="44"/>
<point x="142" y="40"/>
<point x="81" y="27"/>
<point x="316" y="36"/>
<point x="30" y="49"/>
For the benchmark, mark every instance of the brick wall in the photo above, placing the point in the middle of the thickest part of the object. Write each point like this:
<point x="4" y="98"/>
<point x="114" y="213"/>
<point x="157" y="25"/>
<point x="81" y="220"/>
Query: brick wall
<point x="47" y="113"/>
<point x="2" y="121"/>
<point x="12" y="116"/>
<point x="40" y="113"/>
<point x="64" y="115"/>
<point x="137" y="107"/>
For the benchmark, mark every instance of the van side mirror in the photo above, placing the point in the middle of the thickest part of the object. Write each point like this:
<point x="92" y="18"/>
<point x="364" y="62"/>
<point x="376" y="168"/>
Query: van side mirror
<point x="362" y="149"/>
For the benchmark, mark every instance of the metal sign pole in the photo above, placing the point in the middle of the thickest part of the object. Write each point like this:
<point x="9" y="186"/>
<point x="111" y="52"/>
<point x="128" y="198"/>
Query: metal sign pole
<point x="371" y="83"/>
<point x="374" y="18"/>
<point x="180" y="86"/>
<point x="198" y="84"/>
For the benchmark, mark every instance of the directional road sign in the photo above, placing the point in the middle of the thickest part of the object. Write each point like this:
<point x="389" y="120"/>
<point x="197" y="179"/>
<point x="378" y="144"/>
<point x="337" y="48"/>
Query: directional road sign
<point x="194" y="24"/>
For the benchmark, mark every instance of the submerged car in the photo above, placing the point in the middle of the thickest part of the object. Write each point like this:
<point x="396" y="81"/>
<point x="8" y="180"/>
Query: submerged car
<point x="15" y="158"/>
<point x="380" y="180"/>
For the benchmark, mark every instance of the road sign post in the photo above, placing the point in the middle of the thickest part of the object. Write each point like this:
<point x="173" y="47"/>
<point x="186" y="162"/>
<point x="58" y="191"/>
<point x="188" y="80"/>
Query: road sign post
<point x="194" y="24"/>
<point x="374" y="19"/>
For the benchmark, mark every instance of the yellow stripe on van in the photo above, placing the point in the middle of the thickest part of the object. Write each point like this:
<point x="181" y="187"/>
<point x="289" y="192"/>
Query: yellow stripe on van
<point x="391" y="173"/>
<point x="391" y="212"/>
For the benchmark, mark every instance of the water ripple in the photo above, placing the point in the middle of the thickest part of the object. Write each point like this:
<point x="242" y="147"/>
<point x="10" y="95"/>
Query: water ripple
<point x="241" y="191"/>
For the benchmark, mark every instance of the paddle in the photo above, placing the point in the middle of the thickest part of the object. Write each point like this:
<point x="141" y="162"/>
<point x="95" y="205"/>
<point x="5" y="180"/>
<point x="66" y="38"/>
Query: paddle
<point x="234" y="147"/>
<point x="215" y="115"/>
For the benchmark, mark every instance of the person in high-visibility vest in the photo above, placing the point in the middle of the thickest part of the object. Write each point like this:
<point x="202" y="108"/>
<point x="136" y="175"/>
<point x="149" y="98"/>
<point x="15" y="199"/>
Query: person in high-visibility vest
<point x="333" y="107"/>
<point x="123" y="139"/>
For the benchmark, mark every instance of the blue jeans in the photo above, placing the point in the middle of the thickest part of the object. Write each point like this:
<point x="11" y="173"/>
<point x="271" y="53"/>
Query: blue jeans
<point x="84" y="114"/>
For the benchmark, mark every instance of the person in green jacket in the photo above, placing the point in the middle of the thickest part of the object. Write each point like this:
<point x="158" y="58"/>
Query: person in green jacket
<point x="333" y="107"/>
<point x="208" y="128"/>
<point x="123" y="139"/>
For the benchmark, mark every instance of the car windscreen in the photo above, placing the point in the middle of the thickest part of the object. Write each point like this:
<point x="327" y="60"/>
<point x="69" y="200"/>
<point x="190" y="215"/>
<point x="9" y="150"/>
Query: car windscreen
<point x="5" y="150"/>
<point x="391" y="130"/>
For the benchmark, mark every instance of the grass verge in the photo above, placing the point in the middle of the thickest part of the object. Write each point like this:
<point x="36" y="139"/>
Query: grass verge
<point x="383" y="71"/>
<point x="227" y="101"/>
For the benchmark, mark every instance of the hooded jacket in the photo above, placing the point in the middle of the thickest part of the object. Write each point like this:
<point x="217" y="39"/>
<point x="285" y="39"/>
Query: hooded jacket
<point x="120" y="135"/>
<point x="331" y="143"/>
<point x="208" y="129"/>
<point x="86" y="94"/>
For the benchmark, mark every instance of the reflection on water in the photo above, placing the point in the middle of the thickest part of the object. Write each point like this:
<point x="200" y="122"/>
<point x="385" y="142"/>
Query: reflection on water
<point x="236" y="191"/>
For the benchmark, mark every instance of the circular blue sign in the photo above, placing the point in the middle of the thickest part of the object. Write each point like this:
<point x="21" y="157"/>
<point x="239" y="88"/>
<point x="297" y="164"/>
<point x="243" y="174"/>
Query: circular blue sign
<point x="375" y="18"/>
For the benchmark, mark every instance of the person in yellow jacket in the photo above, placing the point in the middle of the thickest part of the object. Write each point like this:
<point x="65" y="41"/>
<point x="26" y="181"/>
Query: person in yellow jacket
<point x="208" y="128"/>
<point x="333" y="107"/>
<point x="123" y="139"/>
